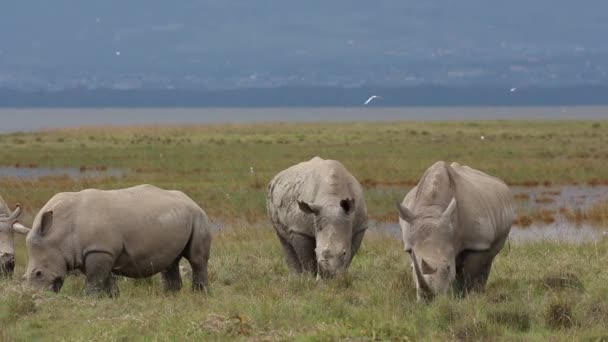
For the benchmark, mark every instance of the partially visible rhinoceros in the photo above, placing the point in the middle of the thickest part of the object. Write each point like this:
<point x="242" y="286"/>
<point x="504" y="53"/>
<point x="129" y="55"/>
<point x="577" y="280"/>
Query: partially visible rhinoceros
<point x="8" y="226"/>
<point x="319" y="214"/>
<point x="454" y="222"/>
<point x="134" y="232"/>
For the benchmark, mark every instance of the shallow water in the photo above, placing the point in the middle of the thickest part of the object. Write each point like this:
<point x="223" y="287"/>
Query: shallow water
<point x="556" y="197"/>
<point x="542" y="198"/>
<point x="556" y="232"/>
<point x="32" y="173"/>
<point x="559" y="231"/>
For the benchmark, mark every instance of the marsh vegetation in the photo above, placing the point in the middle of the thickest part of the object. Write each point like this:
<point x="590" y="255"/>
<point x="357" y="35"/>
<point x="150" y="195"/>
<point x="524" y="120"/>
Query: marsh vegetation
<point x="536" y="290"/>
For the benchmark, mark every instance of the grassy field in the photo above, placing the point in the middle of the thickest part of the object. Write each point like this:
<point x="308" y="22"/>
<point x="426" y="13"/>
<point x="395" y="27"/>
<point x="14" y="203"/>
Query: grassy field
<point x="252" y="297"/>
<point x="536" y="291"/>
<point x="212" y="164"/>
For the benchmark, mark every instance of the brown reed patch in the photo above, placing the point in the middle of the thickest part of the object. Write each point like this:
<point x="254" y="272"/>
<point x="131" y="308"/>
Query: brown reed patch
<point x="551" y="193"/>
<point x="523" y="221"/>
<point x="386" y="217"/>
<point x="257" y="184"/>
<point x="372" y="183"/>
<point x="544" y="200"/>
<point x="548" y="219"/>
<point x="596" y="214"/>
<point x="544" y="215"/>
<point x="597" y="182"/>
<point x="521" y="196"/>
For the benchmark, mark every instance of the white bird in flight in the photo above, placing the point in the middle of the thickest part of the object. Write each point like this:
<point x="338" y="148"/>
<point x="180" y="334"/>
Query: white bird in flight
<point x="373" y="97"/>
<point x="512" y="90"/>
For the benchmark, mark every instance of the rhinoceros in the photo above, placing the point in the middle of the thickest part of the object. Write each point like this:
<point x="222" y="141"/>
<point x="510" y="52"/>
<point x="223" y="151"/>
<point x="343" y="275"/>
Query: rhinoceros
<point x="319" y="215"/>
<point x="454" y="222"/>
<point x="8" y="226"/>
<point x="134" y="232"/>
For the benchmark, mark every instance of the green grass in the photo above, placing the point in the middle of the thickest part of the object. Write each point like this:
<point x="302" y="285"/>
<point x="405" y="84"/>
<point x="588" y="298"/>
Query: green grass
<point x="212" y="163"/>
<point x="252" y="297"/>
<point x="536" y="291"/>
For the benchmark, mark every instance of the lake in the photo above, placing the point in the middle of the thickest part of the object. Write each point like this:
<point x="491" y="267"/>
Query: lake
<point x="35" y="119"/>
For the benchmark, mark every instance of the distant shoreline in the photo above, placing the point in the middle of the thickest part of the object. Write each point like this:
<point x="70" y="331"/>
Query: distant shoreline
<point x="31" y="119"/>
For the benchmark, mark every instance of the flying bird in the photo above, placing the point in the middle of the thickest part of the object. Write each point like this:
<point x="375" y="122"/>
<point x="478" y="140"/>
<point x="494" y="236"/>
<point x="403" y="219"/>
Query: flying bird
<point x="373" y="97"/>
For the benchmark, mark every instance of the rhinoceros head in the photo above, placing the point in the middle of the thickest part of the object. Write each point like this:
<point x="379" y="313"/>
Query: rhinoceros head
<point x="9" y="225"/>
<point x="431" y="250"/>
<point x="333" y="235"/>
<point x="46" y="267"/>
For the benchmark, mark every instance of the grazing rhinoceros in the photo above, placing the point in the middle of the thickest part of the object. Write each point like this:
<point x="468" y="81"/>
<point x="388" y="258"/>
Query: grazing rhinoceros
<point x="8" y="226"/>
<point x="454" y="222"/>
<point x="134" y="232"/>
<point x="319" y="214"/>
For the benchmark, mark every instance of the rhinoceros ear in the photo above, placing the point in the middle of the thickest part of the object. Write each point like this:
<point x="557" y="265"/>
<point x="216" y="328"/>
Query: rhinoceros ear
<point x="450" y="209"/>
<point x="405" y="214"/>
<point x="347" y="205"/>
<point x="14" y="215"/>
<point x="45" y="223"/>
<point x="309" y="208"/>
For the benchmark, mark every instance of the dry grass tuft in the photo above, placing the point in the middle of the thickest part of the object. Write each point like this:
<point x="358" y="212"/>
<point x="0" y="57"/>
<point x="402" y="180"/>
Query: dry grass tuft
<point x="563" y="281"/>
<point x="559" y="315"/>
<point x="597" y="311"/>
<point x="18" y="305"/>
<point x="519" y="321"/>
<point x="472" y="331"/>
<point x="235" y="325"/>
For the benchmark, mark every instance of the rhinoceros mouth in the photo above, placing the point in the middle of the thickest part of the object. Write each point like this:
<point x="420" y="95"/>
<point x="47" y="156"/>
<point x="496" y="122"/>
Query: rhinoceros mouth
<point x="57" y="284"/>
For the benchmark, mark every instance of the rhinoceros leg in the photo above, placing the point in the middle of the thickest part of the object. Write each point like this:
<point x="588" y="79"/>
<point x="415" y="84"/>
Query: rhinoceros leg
<point x="473" y="271"/>
<point x="356" y="243"/>
<point x="171" y="278"/>
<point x="99" y="279"/>
<point x="199" y="275"/>
<point x="293" y="263"/>
<point x="304" y="246"/>
<point x="197" y="255"/>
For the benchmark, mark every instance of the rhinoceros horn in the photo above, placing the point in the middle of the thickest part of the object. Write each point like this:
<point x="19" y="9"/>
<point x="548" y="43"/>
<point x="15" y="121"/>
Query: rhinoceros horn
<point x="13" y="216"/>
<point x="421" y="282"/>
<point x="20" y="229"/>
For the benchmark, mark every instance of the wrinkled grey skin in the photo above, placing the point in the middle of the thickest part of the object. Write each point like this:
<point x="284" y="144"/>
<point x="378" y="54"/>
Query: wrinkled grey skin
<point x="134" y="232"/>
<point x="454" y="222"/>
<point x="319" y="214"/>
<point x="9" y="225"/>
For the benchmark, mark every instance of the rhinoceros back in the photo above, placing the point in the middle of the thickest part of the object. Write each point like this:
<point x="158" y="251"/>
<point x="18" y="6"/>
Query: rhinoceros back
<point x="485" y="208"/>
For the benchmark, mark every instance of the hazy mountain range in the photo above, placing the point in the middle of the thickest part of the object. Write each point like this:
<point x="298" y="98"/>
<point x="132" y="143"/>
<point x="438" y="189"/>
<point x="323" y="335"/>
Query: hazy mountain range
<point x="223" y="44"/>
